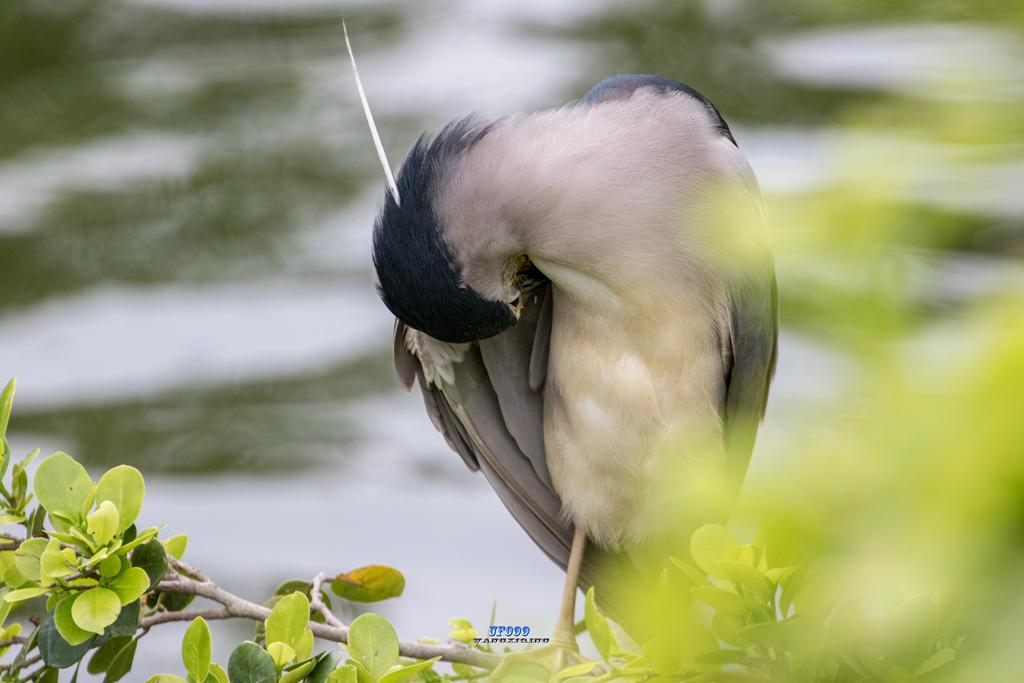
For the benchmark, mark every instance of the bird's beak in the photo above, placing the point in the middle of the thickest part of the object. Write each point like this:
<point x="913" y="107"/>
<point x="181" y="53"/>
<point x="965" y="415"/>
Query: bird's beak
<point x="517" y="307"/>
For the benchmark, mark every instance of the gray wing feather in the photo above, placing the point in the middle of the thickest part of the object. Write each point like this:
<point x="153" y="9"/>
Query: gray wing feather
<point x="541" y="341"/>
<point x="514" y="373"/>
<point x="406" y="364"/>
<point x="750" y="346"/>
<point x="492" y="416"/>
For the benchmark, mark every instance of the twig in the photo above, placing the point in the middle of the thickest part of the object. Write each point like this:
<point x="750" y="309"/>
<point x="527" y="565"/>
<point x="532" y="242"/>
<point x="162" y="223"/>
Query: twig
<point x="236" y="607"/>
<point x="316" y="601"/>
<point x="31" y="675"/>
<point x="187" y="570"/>
<point x="10" y="542"/>
<point x="28" y="662"/>
<point x="167" y="617"/>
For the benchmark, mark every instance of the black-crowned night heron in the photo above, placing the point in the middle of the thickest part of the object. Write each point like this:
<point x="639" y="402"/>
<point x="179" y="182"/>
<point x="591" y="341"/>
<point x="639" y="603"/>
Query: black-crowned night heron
<point x="584" y="297"/>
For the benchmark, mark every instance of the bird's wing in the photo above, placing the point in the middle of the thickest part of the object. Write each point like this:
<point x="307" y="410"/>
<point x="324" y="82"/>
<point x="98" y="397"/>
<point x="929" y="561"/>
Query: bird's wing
<point x="489" y="407"/>
<point x="749" y="348"/>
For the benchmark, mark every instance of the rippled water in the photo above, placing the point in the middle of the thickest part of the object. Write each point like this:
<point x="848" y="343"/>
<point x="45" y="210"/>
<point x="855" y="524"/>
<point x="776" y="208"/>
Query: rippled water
<point x="186" y="195"/>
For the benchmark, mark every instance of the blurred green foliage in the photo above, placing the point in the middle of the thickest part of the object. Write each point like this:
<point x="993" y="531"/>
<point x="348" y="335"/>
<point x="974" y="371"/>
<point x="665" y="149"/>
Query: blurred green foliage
<point x="776" y="609"/>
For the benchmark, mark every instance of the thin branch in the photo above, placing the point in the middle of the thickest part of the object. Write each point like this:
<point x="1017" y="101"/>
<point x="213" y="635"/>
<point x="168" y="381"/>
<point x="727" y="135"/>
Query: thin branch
<point x="316" y="601"/>
<point x="236" y="607"/>
<point x="186" y="570"/>
<point x="152" y="620"/>
<point x="31" y="675"/>
<point x="28" y="662"/>
<point x="10" y="542"/>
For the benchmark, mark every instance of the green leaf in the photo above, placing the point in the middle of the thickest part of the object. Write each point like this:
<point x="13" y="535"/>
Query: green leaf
<point x="110" y="567"/>
<point x="90" y="498"/>
<point x="369" y="584"/>
<point x="8" y="634"/>
<point x="141" y="539"/>
<point x="27" y="557"/>
<point x="176" y="545"/>
<point x="98" y="557"/>
<point x="66" y="626"/>
<point x="217" y="675"/>
<point x="6" y="405"/>
<point x="344" y="674"/>
<point x="127" y="621"/>
<point x="96" y="609"/>
<point x="407" y="672"/>
<point x="25" y="593"/>
<point x="780" y="574"/>
<point x="102" y="524"/>
<point x="696" y="576"/>
<point x="750" y="579"/>
<point x="462" y="630"/>
<point x="767" y="634"/>
<point x="250" y="663"/>
<point x="175" y="602"/>
<point x="195" y="649"/>
<point x="152" y="559"/>
<point x="911" y="630"/>
<point x="304" y="648"/>
<point x="726" y="627"/>
<point x="5" y="609"/>
<point x="68" y="539"/>
<point x="288" y="620"/>
<point x="598" y="628"/>
<point x="281" y="653"/>
<point x="938" y="659"/>
<point x="722" y="657"/>
<point x="125" y="488"/>
<point x="56" y="651"/>
<point x="122" y="663"/>
<point x="62" y="485"/>
<point x="9" y="573"/>
<point x="582" y="669"/>
<point x="104" y="655"/>
<point x="130" y="584"/>
<point x="293" y="586"/>
<point x="166" y="678"/>
<point x="722" y="600"/>
<point x="373" y="643"/>
<point x="708" y="544"/>
<point x="663" y="655"/>
<point x="327" y="662"/>
<point x="297" y="672"/>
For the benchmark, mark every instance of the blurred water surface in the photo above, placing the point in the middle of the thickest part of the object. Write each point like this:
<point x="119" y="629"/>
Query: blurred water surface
<point x="187" y="190"/>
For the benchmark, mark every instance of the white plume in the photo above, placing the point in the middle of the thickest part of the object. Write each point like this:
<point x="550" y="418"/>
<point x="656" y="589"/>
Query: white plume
<point x="392" y="187"/>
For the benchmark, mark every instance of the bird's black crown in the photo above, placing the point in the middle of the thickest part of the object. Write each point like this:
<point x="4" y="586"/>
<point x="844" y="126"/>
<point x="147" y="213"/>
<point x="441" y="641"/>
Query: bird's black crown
<point x="419" y="279"/>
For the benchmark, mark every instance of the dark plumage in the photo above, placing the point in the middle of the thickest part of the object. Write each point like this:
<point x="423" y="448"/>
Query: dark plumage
<point x="419" y="278"/>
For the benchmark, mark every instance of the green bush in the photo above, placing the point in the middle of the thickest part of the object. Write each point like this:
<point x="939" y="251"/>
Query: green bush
<point x="756" y="611"/>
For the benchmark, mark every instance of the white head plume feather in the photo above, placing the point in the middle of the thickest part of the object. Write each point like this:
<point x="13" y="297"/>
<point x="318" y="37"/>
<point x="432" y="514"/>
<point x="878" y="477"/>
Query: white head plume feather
<point x="392" y="187"/>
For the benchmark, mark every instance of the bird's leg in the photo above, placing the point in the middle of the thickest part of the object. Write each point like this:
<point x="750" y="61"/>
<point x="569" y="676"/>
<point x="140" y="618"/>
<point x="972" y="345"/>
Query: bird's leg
<point x="561" y="651"/>
<point x="564" y="634"/>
